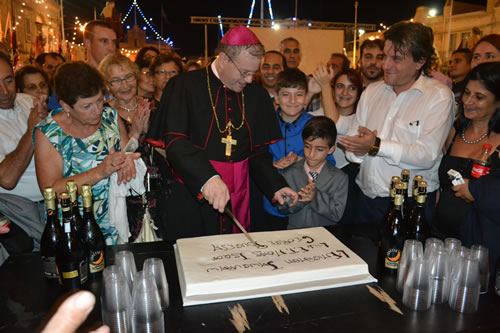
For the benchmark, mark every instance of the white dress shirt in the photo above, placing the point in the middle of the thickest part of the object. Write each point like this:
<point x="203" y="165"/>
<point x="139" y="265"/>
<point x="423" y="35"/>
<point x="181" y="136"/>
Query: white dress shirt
<point x="13" y="125"/>
<point x="412" y="126"/>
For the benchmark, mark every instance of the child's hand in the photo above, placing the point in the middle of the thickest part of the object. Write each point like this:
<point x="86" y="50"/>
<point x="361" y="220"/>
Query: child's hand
<point x="306" y="194"/>
<point x="286" y="161"/>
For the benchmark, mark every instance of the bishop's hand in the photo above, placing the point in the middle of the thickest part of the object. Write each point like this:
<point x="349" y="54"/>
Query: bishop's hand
<point x="216" y="193"/>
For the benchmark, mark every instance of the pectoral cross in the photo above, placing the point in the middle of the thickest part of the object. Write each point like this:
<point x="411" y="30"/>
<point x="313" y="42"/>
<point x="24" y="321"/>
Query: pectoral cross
<point x="228" y="141"/>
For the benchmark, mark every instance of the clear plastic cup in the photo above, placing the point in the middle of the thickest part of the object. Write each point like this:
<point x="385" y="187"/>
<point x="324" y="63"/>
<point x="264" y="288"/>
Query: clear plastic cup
<point x="481" y="254"/>
<point x="464" y="293"/>
<point x="412" y="250"/>
<point x="125" y="260"/>
<point x="116" y="301"/>
<point x="439" y="270"/>
<point x="147" y="315"/>
<point x="417" y="289"/>
<point x="155" y="267"/>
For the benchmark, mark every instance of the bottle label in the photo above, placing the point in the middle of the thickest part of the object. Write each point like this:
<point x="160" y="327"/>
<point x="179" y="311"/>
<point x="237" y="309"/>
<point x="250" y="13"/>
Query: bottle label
<point x="84" y="271"/>
<point x="392" y="257"/>
<point x="70" y="274"/>
<point x="49" y="267"/>
<point x="96" y="261"/>
<point x="479" y="170"/>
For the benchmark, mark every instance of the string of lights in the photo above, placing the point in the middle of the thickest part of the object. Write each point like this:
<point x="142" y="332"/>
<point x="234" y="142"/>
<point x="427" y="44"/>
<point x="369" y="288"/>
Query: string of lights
<point x="220" y="25"/>
<point x="271" y="15"/>
<point x="167" y="41"/>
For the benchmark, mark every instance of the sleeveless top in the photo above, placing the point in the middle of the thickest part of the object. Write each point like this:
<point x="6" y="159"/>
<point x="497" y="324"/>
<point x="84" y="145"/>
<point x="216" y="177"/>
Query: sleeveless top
<point x="451" y="212"/>
<point x="80" y="155"/>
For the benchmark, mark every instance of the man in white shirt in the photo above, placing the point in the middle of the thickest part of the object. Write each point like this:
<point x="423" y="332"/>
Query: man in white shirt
<point x="20" y="199"/>
<point x="400" y="123"/>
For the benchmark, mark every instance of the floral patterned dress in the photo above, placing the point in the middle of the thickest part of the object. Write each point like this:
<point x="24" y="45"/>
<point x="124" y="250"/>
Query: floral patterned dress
<point x="80" y="155"/>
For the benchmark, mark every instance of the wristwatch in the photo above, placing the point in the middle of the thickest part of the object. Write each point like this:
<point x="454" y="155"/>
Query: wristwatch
<point x="375" y="148"/>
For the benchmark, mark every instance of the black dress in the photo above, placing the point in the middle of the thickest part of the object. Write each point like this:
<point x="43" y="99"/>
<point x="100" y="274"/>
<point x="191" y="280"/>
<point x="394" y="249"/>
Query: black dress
<point x="451" y="212"/>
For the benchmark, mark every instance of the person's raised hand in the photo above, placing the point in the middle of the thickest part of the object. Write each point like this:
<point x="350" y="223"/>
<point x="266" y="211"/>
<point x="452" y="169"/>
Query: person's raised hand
<point x="306" y="194"/>
<point x="359" y="144"/>
<point x="323" y="76"/>
<point x="286" y="161"/>
<point x="140" y="120"/>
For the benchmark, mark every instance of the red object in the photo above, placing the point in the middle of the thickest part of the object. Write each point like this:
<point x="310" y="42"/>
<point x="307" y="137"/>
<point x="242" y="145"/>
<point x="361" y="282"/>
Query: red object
<point x="239" y="36"/>
<point x="482" y="166"/>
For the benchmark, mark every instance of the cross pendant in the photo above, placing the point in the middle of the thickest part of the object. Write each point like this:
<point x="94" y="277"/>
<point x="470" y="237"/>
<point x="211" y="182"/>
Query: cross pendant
<point x="228" y="141"/>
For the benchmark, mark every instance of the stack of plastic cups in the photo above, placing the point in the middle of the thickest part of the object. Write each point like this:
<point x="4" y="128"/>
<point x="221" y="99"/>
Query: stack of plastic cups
<point x="481" y="254"/>
<point x="464" y="292"/>
<point x="417" y="288"/>
<point x="451" y="243"/>
<point x="412" y="250"/>
<point x="155" y="267"/>
<point x="439" y="270"/>
<point x="125" y="260"/>
<point x="430" y="245"/>
<point x="147" y="315"/>
<point x="116" y="302"/>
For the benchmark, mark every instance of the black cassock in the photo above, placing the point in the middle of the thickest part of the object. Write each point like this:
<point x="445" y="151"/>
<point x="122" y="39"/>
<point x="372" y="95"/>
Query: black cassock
<point x="187" y="127"/>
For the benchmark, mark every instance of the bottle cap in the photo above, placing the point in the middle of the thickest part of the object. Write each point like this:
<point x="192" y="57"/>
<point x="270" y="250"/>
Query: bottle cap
<point x="487" y="146"/>
<point x="49" y="194"/>
<point x="86" y="190"/>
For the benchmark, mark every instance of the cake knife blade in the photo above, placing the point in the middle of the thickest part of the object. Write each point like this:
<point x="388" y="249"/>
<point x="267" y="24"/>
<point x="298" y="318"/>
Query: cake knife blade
<point x="238" y="224"/>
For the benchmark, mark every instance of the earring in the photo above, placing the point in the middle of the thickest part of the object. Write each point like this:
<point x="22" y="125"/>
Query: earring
<point x="67" y="114"/>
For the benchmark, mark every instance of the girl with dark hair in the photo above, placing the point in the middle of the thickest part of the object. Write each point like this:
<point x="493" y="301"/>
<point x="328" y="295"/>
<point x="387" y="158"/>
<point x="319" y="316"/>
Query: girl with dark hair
<point x="477" y="124"/>
<point x="32" y="80"/>
<point x="487" y="49"/>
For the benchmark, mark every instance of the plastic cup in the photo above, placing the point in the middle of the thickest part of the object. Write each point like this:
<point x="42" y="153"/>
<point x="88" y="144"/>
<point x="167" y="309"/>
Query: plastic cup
<point x="452" y="243"/>
<point x="417" y="289"/>
<point x="412" y="250"/>
<point x="125" y="260"/>
<point x="116" y="301"/>
<point x="439" y="270"/>
<point x="155" y="267"/>
<point x="147" y="315"/>
<point x="481" y="254"/>
<point x="464" y="293"/>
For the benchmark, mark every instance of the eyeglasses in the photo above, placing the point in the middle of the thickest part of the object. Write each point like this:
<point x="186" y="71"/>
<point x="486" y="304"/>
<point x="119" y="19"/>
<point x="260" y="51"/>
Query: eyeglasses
<point x="163" y="72"/>
<point x="147" y="73"/>
<point x="116" y="82"/>
<point x="242" y="74"/>
<point x="41" y="85"/>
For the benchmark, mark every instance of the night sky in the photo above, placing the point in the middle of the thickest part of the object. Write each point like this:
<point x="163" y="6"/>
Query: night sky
<point x="189" y="38"/>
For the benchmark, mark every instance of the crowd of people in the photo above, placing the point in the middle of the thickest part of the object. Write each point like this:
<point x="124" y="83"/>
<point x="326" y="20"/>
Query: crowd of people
<point x="252" y="133"/>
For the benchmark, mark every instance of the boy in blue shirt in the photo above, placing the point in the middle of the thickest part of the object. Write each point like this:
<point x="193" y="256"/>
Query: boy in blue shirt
<point x="322" y="188"/>
<point x="292" y="116"/>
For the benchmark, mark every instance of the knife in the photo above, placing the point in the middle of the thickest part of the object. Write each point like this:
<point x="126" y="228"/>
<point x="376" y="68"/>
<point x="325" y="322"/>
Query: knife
<point x="238" y="224"/>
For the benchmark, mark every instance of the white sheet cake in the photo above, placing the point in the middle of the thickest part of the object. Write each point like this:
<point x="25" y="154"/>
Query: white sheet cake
<point x="228" y="267"/>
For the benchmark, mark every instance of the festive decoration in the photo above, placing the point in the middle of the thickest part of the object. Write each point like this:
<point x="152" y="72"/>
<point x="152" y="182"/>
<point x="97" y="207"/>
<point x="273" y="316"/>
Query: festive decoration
<point x="271" y="15"/>
<point x="135" y="5"/>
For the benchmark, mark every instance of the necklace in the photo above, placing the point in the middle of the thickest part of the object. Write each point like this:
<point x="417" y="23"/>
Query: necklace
<point x="229" y="125"/>
<point x="474" y="141"/>
<point x="127" y="109"/>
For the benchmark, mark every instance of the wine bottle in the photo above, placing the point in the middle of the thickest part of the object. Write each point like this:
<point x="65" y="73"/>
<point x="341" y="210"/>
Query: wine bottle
<point x="418" y="228"/>
<point x="405" y="180"/>
<point x="388" y="215"/>
<point x="393" y="237"/>
<point x="70" y="258"/>
<point x="93" y="237"/>
<point x="52" y="233"/>
<point x="72" y="190"/>
<point x="413" y="200"/>
<point x="482" y="166"/>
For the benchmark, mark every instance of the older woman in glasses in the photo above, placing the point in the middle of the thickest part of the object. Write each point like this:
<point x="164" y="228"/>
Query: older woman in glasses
<point x="164" y="67"/>
<point x="120" y="75"/>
